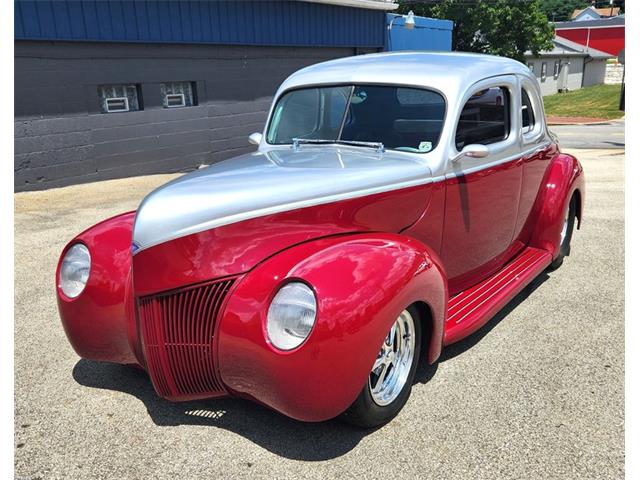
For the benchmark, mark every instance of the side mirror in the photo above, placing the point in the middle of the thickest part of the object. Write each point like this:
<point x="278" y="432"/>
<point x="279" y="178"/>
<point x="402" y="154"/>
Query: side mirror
<point x="475" y="150"/>
<point x="255" y="138"/>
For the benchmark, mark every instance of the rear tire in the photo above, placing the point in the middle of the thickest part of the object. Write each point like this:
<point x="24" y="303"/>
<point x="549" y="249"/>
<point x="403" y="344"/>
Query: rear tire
<point x="567" y="233"/>
<point x="389" y="383"/>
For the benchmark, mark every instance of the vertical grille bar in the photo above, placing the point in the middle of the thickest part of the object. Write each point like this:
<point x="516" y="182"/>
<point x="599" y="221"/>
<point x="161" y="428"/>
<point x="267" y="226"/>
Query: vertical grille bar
<point x="177" y="332"/>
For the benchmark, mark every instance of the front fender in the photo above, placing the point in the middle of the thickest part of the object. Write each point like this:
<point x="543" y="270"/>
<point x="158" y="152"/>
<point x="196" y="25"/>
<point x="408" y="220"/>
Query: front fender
<point x="563" y="178"/>
<point x="97" y="322"/>
<point x="362" y="282"/>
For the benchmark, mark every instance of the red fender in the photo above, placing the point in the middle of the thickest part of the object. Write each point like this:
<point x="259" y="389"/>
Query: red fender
<point x="362" y="282"/>
<point x="563" y="178"/>
<point x="96" y="322"/>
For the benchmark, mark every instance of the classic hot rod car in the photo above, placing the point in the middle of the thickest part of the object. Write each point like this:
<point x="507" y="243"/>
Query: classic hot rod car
<point x="394" y="204"/>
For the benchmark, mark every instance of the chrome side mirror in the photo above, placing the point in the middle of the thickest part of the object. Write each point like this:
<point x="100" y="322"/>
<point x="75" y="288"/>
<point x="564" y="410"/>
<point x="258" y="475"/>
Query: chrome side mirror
<point x="475" y="150"/>
<point x="255" y="138"/>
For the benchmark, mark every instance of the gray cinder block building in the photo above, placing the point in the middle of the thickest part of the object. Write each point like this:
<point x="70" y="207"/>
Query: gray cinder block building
<point x="112" y="89"/>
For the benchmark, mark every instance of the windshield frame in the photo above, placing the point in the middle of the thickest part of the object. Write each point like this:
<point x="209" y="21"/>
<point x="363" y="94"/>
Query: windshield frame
<point x="353" y="85"/>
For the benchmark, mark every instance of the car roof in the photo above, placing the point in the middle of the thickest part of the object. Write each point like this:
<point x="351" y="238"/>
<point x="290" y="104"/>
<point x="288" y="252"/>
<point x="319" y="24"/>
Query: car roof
<point x="449" y="72"/>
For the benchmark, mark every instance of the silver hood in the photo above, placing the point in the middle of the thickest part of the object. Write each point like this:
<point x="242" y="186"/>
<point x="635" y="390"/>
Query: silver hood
<point x="264" y="183"/>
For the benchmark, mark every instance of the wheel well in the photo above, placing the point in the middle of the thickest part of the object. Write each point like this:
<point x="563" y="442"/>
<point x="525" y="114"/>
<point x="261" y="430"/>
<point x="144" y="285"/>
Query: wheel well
<point x="576" y="195"/>
<point x="426" y="322"/>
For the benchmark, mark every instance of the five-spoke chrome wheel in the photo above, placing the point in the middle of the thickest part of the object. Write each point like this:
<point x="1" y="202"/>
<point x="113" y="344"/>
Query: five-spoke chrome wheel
<point x="393" y="364"/>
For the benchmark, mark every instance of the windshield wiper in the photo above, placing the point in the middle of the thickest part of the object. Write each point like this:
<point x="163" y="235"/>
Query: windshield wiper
<point x="379" y="146"/>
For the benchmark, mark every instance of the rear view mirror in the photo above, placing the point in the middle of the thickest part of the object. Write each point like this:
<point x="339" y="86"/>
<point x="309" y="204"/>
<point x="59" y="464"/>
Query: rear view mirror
<point x="475" y="150"/>
<point x="255" y="138"/>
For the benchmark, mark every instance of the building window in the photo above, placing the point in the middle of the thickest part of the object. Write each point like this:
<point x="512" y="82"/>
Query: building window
<point x="120" y="98"/>
<point x="484" y="118"/>
<point x="531" y="67"/>
<point x="543" y="74"/>
<point x="178" y="94"/>
<point x="556" y="69"/>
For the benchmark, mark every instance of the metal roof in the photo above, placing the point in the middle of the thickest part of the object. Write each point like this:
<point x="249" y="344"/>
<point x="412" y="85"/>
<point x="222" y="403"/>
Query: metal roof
<point x="603" y="22"/>
<point x="564" y="47"/>
<point x="368" y="4"/>
<point x="225" y="22"/>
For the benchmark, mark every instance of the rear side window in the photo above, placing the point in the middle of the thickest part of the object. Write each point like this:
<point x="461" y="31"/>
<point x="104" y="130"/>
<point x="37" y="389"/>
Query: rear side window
<point x="484" y="118"/>
<point x="528" y="120"/>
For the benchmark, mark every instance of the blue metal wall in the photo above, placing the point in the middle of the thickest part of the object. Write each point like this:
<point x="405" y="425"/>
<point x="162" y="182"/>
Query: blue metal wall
<point x="217" y="22"/>
<point x="428" y="34"/>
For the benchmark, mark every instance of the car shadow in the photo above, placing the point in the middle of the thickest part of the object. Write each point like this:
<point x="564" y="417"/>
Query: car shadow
<point x="275" y="432"/>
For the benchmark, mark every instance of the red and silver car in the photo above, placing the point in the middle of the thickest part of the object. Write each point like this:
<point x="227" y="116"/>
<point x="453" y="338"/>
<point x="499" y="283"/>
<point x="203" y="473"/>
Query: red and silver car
<point x="394" y="204"/>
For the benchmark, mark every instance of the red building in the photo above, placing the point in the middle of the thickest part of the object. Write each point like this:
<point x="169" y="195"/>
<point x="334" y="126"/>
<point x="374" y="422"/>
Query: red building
<point x="606" y="34"/>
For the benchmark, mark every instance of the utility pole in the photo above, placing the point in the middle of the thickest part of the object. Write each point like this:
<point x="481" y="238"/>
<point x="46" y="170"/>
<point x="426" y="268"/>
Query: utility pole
<point x="621" y="59"/>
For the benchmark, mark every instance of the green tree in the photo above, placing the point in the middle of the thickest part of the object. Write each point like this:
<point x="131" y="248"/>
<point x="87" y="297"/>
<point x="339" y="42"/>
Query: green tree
<point x="499" y="27"/>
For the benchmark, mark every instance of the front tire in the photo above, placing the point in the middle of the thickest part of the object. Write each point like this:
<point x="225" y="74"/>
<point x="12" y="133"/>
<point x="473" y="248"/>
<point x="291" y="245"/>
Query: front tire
<point x="389" y="384"/>
<point x="566" y="234"/>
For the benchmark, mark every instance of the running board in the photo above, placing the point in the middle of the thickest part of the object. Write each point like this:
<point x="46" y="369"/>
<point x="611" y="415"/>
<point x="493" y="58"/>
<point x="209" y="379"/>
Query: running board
<point x="471" y="309"/>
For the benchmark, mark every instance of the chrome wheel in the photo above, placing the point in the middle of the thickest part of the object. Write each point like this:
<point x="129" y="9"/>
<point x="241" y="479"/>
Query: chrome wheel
<point x="393" y="364"/>
<point x="565" y="226"/>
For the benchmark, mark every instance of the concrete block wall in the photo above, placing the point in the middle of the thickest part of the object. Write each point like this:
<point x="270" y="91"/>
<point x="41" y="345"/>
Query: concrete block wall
<point x="61" y="137"/>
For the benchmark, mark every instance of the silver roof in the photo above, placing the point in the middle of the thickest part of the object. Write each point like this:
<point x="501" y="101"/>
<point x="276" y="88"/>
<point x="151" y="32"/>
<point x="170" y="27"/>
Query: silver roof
<point x="449" y="72"/>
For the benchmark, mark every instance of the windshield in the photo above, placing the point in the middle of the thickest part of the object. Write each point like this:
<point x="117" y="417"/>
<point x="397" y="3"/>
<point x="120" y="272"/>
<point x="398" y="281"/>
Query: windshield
<point x="401" y="118"/>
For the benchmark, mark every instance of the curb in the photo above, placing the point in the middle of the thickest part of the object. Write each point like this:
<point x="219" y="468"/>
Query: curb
<point x="597" y="122"/>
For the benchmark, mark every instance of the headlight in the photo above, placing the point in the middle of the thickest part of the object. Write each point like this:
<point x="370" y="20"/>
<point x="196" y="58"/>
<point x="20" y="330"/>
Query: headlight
<point x="74" y="271"/>
<point x="291" y="316"/>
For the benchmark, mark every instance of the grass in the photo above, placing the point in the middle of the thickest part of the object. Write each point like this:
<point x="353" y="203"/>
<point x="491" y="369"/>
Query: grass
<point x="598" y="101"/>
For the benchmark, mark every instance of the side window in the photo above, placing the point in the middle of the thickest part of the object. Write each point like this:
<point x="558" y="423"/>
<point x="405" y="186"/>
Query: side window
<point x="484" y="118"/>
<point x="528" y="120"/>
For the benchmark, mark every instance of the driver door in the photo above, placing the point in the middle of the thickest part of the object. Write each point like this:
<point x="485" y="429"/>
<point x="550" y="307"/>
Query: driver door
<point x="482" y="194"/>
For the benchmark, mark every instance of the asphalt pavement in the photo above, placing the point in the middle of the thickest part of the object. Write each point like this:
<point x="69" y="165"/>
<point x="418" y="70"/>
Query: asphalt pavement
<point x="537" y="393"/>
<point x="607" y="135"/>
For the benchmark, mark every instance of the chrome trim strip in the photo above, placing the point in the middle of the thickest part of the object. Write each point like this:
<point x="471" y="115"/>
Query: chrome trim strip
<point x="495" y="163"/>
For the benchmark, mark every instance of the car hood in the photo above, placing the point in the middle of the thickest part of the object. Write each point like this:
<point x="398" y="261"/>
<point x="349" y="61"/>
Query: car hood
<point x="263" y="183"/>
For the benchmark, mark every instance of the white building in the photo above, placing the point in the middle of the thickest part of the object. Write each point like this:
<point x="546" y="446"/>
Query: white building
<point x="593" y="13"/>
<point x="568" y="66"/>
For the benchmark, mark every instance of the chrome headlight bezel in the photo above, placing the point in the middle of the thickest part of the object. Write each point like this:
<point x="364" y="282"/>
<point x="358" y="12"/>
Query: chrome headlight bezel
<point x="75" y="269"/>
<point x="291" y="316"/>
